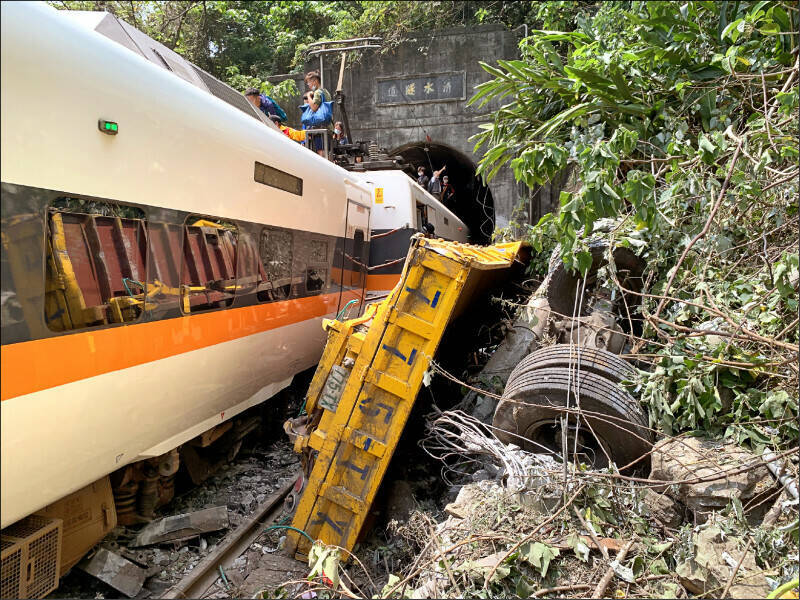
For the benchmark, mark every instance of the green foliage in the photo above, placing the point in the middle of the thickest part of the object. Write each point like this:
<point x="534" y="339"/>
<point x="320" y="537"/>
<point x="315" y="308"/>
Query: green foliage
<point x="646" y="103"/>
<point x="285" y="92"/>
<point x="538" y="555"/>
<point x="256" y="39"/>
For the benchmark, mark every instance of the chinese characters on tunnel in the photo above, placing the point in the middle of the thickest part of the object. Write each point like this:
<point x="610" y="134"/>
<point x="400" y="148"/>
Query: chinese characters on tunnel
<point x="428" y="87"/>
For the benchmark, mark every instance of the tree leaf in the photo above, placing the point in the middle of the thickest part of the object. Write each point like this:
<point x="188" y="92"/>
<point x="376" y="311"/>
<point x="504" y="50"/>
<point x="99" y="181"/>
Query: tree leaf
<point x="538" y="555"/>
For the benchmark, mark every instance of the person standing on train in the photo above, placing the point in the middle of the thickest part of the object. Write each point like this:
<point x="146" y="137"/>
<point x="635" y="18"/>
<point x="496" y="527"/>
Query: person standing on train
<point x="321" y="95"/>
<point x="435" y="184"/>
<point x="264" y="103"/>
<point x="319" y="115"/>
<point x="448" y="196"/>
<point x="422" y="179"/>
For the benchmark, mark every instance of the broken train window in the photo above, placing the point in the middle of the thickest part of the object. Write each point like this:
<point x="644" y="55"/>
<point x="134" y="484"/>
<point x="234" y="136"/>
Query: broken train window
<point x="208" y="277"/>
<point x="96" y="259"/>
<point x="275" y="251"/>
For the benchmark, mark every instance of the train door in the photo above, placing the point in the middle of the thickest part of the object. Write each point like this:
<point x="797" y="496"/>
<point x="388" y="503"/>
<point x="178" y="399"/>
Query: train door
<point x="355" y="258"/>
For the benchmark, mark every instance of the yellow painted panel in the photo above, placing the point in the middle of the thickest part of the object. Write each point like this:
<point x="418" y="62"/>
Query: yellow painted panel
<point x="349" y="443"/>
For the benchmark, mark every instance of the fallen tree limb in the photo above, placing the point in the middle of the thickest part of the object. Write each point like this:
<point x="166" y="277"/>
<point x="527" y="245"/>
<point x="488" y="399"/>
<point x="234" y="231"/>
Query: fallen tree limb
<point x="736" y="569"/>
<point x="560" y="588"/>
<point x="600" y="590"/>
<point x="705" y="228"/>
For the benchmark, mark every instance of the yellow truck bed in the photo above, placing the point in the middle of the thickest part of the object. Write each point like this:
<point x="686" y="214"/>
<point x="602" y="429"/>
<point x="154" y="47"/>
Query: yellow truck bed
<point x="368" y="379"/>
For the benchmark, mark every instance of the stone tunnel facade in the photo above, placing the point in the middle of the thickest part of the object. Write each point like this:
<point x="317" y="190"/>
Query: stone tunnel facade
<point x="415" y="97"/>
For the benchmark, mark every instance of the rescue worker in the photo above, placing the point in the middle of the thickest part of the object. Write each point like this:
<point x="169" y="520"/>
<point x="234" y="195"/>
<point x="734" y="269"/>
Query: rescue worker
<point x="264" y="103"/>
<point x="297" y="135"/>
<point x="422" y="179"/>
<point x="318" y="98"/>
<point x="448" y="196"/>
<point x="314" y="84"/>
<point x="435" y="184"/>
<point x="338" y="134"/>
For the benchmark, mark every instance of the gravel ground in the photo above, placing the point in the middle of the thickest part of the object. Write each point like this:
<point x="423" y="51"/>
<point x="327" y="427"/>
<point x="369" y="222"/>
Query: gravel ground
<point x="258" y="471"/>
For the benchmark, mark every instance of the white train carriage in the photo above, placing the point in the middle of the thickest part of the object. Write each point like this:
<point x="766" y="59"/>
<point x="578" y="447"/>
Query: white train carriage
<point x="195" y="292"/>
<point x="401" y="208"/>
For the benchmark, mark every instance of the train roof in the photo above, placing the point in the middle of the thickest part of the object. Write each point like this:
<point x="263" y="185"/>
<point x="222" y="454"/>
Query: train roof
<point x="124" y="34"/>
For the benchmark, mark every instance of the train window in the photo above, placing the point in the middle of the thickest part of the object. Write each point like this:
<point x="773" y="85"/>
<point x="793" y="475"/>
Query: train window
<point x="165" y="245"/>
<point x="446" y="221"/>
<point x="208" y="279"/>
<point x="248" y="265"/>
<point x="358" y="269"/>
<point x="275" y="250"/>
<point x="422" y="215"/>
<point x="278" y="179"/>
<point x="95" y="266"/>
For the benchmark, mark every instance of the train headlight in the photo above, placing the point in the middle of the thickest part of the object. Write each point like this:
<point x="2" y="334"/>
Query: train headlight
<point x="108" y="127"/>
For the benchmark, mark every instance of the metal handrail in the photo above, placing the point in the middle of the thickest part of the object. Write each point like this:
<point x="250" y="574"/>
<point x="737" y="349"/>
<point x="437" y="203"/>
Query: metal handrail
<point x="347" y="49"/>
<point x="364" y="39"/>
<point x="325" y="133"/>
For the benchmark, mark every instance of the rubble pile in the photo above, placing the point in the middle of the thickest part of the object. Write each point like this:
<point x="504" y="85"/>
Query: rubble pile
<point x="144" y="562"/>
<point x="523" y="525"/>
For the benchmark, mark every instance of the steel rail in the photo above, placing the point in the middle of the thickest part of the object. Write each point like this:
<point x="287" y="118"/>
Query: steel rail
<point x="311" y="53"/>
<point x="230" y="548"/>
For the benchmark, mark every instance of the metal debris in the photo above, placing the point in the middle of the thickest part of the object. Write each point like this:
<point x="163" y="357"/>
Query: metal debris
<point x="118" y="572"/>
<point x="181" y="527"/>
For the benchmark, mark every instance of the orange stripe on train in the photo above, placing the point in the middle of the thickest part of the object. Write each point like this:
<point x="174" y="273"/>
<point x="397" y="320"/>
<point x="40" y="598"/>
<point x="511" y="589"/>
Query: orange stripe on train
<point x="382" y="282"/>
<point x="29" y="367"/>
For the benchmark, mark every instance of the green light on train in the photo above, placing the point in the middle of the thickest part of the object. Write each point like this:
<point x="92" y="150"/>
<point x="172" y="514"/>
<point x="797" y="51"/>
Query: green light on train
<point x="109" y="127"/>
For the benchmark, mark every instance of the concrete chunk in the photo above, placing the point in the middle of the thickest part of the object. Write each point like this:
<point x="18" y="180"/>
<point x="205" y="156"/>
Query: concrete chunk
<point x="183" y="526"/>
<point x="118" y="572"/>
<point x="689" y="459"/>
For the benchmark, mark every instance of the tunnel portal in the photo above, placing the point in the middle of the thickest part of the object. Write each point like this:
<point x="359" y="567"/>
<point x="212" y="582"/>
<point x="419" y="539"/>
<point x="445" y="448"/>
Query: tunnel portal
<point x="474" y="203"/>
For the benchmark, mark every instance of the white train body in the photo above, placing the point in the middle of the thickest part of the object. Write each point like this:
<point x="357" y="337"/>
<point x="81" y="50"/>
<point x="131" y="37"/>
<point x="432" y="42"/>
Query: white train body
<point x="76" y="405"/>
<point x="81" y="402"/>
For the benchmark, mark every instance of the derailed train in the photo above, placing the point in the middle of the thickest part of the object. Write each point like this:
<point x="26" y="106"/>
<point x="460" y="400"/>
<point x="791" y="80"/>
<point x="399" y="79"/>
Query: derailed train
<point x="166" y="263"/>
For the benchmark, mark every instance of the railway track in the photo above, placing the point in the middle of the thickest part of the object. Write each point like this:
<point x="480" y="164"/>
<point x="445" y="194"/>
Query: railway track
<point x="252" y="487"/>
<point x="207" y="571"/>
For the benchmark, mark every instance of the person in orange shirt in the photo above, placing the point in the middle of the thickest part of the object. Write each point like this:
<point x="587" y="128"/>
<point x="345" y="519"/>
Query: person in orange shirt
<point x="298" y="135"/>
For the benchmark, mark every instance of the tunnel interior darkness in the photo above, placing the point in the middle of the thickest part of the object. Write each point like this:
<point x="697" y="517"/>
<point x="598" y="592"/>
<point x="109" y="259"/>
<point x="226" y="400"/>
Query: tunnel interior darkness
<point x="474" y="204"/>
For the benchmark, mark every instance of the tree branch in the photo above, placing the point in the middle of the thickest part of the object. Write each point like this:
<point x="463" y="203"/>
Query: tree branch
<point x="705" y="229"/>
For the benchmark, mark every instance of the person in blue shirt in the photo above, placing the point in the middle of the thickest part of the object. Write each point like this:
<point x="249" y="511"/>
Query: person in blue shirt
<point x="264" y="103"/>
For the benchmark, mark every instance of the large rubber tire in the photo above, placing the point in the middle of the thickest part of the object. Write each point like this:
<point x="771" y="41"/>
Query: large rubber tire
<point x="529" y="413"/>
<point x="591" y="360"/>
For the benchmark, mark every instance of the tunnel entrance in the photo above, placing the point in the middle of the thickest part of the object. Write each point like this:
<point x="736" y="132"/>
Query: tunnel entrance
<point x="474" y="204"/>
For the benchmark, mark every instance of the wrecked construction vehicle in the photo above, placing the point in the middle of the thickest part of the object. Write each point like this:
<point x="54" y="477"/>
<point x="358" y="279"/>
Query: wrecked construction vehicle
<point x="544" y="382"/>
<point x="372" y="369"/>
<point x="368" y="379"/>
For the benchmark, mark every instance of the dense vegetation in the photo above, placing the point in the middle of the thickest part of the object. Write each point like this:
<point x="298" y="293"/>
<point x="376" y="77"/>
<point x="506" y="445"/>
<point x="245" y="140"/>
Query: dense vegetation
<point x="679" y="121"/>
<point x="243" y="43"/>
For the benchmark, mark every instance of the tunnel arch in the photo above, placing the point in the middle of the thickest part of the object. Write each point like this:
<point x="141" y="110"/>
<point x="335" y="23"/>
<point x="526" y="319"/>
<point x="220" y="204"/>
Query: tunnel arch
<point x="474" y="202"/>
